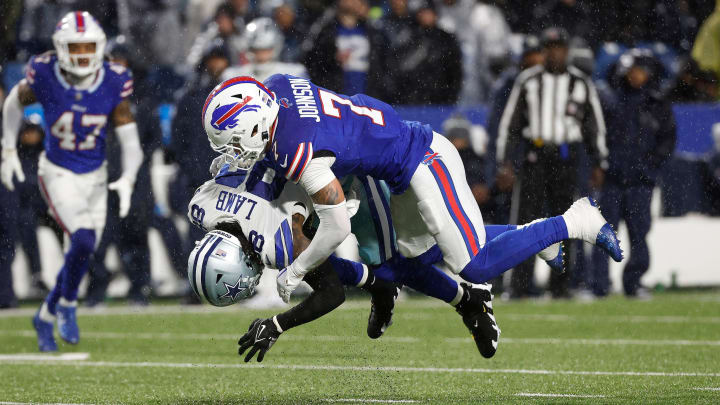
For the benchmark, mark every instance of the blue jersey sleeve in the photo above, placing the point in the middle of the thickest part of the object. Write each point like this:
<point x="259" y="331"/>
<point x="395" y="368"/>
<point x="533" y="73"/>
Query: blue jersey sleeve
<point x="39" y="74"/>
<point x="119" y="84"/>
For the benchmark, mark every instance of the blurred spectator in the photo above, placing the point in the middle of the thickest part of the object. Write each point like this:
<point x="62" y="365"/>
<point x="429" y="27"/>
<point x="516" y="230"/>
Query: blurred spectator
<point x="551" y="117"/>
<point x="155" y="32"/>
<point x="459" y="130"/>
<point x="640" y="138"/>
<point x="265" y="43"/>
<point x="394" y="62"/>
<point x="712" y="184"/>
<point x="31" y="210"/>
<point x="706" y="50"/>
<point x="433" y="64"/>
<point x="195" y="16"/>
<point x="292" y="31"/>
<point x="338" y="49"/>
<point x="572" y="15"/>
<point x="10" y="17"/>
<point x="226" y="29"/>
<point x="693" y="85"/>
<point x="487" y="53"/>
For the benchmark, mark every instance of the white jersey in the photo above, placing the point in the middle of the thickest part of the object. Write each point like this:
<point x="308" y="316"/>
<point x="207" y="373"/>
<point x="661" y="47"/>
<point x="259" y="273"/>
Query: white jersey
<point x="262" y="71"/>
<point x="266" y="224"/>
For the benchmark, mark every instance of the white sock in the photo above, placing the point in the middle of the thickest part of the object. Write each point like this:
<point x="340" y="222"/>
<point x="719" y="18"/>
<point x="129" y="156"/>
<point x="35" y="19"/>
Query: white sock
<point x="458" y="296"/>
<point x="45" y="314"/>
<point x="550" y="252"/>
<point x="572" y="224"/>
<point x="364" y="276"/>
<point x="67" y="303"/>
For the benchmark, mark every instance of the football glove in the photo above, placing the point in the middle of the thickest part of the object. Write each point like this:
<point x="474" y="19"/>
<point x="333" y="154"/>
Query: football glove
<point x="287" y="281"/>
<point x="260" y="337"/>
<point x="124" y="187"/>
<point x="10" y="166"/>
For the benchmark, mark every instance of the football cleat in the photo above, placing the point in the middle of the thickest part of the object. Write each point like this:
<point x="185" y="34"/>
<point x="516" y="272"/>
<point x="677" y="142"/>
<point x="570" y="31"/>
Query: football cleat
<point x="44" y="330"/>
<point x="554" y="256"/>
<point x="382" y="306"/>
<point x="477" y="314"/>
<point x="590" y="225"/>
<point x="67" y="324"/>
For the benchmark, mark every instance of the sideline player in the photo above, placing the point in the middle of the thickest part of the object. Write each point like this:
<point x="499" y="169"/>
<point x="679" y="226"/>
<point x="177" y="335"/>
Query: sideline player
<point x="79" y="93"/>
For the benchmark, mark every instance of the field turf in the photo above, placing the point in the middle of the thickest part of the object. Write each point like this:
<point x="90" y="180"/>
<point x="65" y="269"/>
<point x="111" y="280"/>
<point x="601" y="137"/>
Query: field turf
<point x="615" y="351"/>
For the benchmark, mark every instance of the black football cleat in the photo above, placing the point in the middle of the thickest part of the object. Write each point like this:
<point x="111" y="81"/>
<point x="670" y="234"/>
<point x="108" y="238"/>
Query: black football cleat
<point x="477" y="314"/>
<point x="382" y="305"/>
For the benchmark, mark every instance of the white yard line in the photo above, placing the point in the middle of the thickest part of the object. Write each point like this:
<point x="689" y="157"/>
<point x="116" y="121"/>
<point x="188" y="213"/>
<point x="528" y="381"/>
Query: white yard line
<point x="36" y="403"/>
<point x="371" y="401"/>
<point x="708" y="388"/>
<point x="621" y="342"/>
<point x="387" y="339"/>
<point x="358" y="368"/>
<point x="208" y="310"/>
<point x="44" y="357"/>
<point x="542" y="395"/>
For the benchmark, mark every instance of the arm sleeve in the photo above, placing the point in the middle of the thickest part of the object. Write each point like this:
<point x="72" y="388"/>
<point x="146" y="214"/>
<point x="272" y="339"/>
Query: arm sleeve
<point x="513" y="120"/>
<point x="593" y="128"/>
<point x="333" y="229"/>
<point x="328" y="293"/>
<point x="132" y="154"/>
<point x="12" y="116"/>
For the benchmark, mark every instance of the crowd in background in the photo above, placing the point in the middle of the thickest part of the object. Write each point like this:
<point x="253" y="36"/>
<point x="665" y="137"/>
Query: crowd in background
<point x="405" y="52"/>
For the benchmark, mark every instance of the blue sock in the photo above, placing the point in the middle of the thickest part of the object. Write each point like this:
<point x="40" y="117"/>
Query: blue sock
<point x="349" y="272"/>
<point x="77" y="259"/>
<point x="419" y="274"/>
<point x="511" y="248"/>
<point x="493" y="231"/>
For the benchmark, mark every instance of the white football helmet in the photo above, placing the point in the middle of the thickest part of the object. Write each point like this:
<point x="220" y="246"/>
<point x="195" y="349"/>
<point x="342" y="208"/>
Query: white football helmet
<point x="79" y="27"/>
<point x="239" y="117"/>
<point x="263" y="34"/>
<point x="220" y="272"/>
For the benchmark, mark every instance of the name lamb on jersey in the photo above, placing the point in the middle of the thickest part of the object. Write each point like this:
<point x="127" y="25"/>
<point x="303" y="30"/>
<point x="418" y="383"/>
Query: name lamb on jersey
<point x="304" y="98"/>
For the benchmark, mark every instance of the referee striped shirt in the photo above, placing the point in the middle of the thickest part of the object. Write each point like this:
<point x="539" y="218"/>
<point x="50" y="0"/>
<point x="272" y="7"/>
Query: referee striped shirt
<point x="552" y="108"/>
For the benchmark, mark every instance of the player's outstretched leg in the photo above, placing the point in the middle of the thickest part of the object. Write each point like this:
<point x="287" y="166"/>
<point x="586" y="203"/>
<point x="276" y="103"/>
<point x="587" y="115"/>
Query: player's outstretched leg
<point x="82" y="244"/>
<point x="553" y="255"/>
<point x="582" y="221"/>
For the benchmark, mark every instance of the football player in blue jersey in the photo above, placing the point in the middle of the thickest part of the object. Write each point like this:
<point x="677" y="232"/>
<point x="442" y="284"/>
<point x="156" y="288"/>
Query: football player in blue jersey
<point x="314" y="136"/>
<point x="80" y="94"/>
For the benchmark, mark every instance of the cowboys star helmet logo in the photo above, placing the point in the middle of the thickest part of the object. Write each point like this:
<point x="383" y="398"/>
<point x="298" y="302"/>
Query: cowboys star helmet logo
<point x="232" y="290"/>
<point x="225" y="116"/>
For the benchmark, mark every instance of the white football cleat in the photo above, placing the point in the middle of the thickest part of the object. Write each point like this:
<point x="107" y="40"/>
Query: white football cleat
<point x="585" y="221"/>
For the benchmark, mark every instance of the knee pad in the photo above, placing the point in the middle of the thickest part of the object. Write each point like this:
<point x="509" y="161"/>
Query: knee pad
<point x="83" y="240"/>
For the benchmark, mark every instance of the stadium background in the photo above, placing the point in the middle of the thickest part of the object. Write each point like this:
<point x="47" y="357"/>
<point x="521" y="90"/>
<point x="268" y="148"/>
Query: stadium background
<point x="168" y="42"/>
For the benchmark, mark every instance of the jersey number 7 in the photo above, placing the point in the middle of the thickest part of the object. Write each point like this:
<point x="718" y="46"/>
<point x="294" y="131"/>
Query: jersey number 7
<point x="328" y="101"/>
<point x="63" y="130"/>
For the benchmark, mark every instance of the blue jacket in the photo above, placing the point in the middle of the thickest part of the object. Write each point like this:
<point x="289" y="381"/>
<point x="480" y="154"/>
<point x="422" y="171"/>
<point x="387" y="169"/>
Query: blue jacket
<point x="640" y="133"/>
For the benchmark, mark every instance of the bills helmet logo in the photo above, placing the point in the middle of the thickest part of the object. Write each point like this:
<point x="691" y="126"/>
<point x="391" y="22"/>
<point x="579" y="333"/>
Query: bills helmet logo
<point x="285" y="102"/>
<point x="226" y="116"/>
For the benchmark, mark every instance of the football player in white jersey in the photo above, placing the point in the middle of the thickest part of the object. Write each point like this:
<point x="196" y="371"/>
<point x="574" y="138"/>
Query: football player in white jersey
<point x="80" y="94"/>
<point x="265" y="42"/>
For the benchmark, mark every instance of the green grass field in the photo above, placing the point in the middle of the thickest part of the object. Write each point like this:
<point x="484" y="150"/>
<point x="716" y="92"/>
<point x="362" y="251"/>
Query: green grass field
<point x="614" y="351"/>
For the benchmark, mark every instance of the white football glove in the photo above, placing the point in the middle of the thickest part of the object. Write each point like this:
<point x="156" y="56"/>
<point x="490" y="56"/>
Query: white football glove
<point x="10" y="166"/>
<point x="287" y="281"/>
<point x="124" y="187"/>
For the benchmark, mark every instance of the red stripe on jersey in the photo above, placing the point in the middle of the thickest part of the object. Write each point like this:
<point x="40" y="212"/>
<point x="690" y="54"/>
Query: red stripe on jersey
<point x="300" y="170"/>
<point x="296" y="160"/>
<point x="51" y="205"/>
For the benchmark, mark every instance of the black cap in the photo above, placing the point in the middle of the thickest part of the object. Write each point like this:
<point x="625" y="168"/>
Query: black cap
<point x="416" y="5"/>
<point x="554" y="36"/>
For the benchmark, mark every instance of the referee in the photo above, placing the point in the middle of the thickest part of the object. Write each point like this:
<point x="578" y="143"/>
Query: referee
<point x="552" y="114"/>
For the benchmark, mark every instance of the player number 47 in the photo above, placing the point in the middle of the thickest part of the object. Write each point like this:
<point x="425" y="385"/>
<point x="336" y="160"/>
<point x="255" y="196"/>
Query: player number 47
<point x="63" y="130"/>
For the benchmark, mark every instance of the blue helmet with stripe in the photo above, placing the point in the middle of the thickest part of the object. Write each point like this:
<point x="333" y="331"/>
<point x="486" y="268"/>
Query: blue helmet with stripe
<point x="220" y="272"/>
